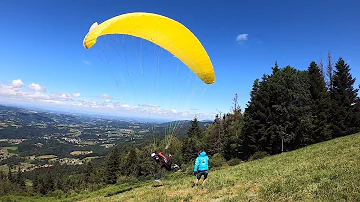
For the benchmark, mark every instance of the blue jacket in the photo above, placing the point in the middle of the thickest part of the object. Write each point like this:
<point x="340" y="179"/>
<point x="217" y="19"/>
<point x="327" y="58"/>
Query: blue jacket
<point x="201" y="162"/>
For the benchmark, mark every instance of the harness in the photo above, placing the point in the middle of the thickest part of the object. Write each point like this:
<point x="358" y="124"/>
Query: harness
<point x="165" y="161"/>
<point x="165" y="158"/>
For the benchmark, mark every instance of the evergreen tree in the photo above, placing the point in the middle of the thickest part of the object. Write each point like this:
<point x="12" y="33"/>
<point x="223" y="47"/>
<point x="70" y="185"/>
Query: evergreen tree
<point x="35" y="183"/>
<point x="329" y="72"/>
<point x="175" y="150"/>
<point x="321" y="68"/>
<point x="215" y="136"/>
<point x="10" y="175"/>
<point x="88" y="171"/>
<point x="290" y="122"/>
<point x="255" y="117"/>
<point x="59" y="183"/>
<point x="345" y="114"/>
<point x="189" y="149"/>
<point x="112" y="166"/>
<point x="49" y="184"/>
<point x="20" y="179"/>
<point x="146" y="164"/>
<point x="278" y="116"/>
<point x="193" y="142"/>
<point x="3" y="176"/>
<point x="320" y="103"/>
<point x="194" y="131"/>
<point x="233" y="124"/>
<point x="131" y="163"/>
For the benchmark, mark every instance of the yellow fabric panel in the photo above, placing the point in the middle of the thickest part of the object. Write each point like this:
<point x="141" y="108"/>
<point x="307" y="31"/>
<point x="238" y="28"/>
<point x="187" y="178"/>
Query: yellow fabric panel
<point x="165" y="32"/>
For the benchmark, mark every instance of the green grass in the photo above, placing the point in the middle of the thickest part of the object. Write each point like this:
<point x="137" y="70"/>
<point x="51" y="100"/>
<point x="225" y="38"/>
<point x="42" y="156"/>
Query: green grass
<point x="329" y="171"/>
<point x="4" y="168"/>
<point x="9" y="151"/>
<point x="10" y="148"/>
<point x="74" y="153"/>
<point x="46" y="156"/>
<point x="89" y="158"/>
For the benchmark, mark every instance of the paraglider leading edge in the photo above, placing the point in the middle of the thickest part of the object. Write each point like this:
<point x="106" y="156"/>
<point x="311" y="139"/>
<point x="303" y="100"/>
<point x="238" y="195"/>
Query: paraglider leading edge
<point x="163" y="31"/>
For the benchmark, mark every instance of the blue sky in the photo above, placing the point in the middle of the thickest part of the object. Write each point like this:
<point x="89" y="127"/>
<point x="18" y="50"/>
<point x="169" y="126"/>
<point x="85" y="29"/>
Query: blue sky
<point x="43" y="61"/>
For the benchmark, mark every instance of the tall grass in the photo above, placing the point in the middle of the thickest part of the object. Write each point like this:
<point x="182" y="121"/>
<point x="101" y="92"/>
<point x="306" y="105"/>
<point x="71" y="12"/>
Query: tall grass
<point x="328" y="171"/>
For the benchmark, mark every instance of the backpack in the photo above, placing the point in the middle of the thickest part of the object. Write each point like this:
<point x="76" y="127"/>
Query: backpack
<point x="165" y="160"/>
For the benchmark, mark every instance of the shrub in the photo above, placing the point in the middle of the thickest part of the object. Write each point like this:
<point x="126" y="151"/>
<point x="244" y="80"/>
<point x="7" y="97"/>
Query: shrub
<point x="234" y="162"/>
<point x="257" y="155"/>
<point x="217" y="160"/>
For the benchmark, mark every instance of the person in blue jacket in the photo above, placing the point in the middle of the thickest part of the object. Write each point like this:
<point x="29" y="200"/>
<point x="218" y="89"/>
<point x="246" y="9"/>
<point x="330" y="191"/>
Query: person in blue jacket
<point x="201" y="166"/>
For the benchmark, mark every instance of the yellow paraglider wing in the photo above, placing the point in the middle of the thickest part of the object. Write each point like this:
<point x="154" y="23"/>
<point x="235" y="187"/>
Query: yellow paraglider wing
<point x="165" y="32"/>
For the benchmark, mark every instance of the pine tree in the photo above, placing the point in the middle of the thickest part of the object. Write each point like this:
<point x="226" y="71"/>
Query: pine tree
<point x="320" y="103"/>
<point x="278" y="116"/>
<point x="88" y="171"/>
<point x="194" y="130"/>
<point x="215" y="136"/>
<point x="59" y="184"/>
<point x="112" y="166"/>
<point x="255" y="117"/>
<point x="321" y="68"/>
<point x="175" y="150"/>
<point x="193" y="142"/>
<point x="291" y="122"/>
<point x="35" y="183"/>
<point x="329" y="72"/>
<point x="233" y="124"/>
<point x="3" y="176"/>
<point x="10" y="175"/>
<point x="49" y="184"/>
<point x="345" y="115"/>
<point x="20" y="179"/>
<point x="131" y="163"/>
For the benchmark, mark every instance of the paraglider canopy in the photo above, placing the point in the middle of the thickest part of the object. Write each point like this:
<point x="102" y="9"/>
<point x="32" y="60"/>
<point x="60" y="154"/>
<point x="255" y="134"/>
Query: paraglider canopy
<point x="163" y="31"/>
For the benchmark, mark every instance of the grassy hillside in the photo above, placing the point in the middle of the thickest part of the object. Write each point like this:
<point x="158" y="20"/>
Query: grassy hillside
<point x="329" y="171"/>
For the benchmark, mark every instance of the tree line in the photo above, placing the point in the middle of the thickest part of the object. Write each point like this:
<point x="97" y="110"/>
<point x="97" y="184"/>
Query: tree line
<point x="288" y="109"/>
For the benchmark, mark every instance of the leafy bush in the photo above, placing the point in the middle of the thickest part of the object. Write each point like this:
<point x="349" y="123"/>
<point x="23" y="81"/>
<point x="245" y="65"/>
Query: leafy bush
<point x="217" y="160"/>
<point x="234" y="162"/>
<point x="257" y="155"/>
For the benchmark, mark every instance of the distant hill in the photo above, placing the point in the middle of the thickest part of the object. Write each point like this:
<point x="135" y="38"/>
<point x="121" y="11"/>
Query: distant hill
<point x="185" y="123"/>
<point x="182" y="126"/>
<point x="17" y="122"/>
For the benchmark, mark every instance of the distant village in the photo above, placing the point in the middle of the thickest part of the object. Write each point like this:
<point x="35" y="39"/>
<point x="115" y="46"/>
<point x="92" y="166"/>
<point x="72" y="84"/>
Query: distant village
<point x="80" y="132"/>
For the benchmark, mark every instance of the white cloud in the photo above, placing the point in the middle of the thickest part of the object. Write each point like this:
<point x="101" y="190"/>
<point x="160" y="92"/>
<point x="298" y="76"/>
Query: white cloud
<point x="110" y="106"/>
<point x="75" y="94"/>
<point x="8" y="90"/>
<point x="126" y="106"/>
<point x="36" y="87"/>
<point x="77" y="104"/>
<point x="242" y="37"/>
<point x="52" y="101"/>
<point x="149" y="105"/>
<point x="13" y="93"/>
<point x="17" y="83"/>
<point x="105" y="96"/>
<point x="87" y="62"/>
<point x="61" y="96"/>
<point x="36" y="95"/>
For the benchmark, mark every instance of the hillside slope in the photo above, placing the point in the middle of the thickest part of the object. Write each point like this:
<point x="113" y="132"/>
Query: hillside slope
<point x="328" y="171"/>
